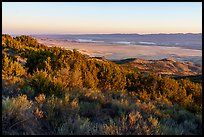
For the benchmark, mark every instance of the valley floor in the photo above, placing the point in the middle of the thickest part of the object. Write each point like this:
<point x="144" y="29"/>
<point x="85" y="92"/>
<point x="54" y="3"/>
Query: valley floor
<point x="120" y="51"/>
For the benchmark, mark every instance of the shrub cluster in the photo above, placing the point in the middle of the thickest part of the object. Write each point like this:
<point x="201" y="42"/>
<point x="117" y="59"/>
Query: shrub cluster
<point x="58" y="91"/>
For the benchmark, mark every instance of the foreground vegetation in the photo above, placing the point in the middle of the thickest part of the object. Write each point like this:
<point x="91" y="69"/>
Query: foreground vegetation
<point x="50" y="90"/>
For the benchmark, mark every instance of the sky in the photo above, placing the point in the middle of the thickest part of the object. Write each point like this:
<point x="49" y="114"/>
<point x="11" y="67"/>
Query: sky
<point x="101" y="17"/>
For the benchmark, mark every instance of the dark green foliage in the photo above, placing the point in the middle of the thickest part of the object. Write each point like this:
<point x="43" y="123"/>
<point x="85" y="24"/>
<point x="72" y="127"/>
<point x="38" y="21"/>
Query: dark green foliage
<point x="29" y="91"/>
<point x="110" y="76"/>
<point x="194" y="78"/>
<point x="42" y="82"/>
<point x="37" y="60"/>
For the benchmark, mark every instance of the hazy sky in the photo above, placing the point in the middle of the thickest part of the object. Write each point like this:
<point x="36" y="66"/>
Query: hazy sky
<point x="101" y="17"/>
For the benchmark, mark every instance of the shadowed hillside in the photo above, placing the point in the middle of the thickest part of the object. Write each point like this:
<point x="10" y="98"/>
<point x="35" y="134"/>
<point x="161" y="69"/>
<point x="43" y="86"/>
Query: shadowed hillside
<point x="168" y="66"/>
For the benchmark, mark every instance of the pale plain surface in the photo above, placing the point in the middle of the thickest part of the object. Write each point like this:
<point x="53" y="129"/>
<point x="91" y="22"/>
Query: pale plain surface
<point x="119" y="51"/>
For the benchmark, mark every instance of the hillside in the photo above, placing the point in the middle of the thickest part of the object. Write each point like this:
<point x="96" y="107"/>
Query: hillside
<point x="53" y="91"/>
<point x="167" y="66"/>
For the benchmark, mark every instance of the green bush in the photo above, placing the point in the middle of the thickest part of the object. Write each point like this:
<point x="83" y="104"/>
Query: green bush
<point x="28" y="90"/>
<point x="43" y="82"/>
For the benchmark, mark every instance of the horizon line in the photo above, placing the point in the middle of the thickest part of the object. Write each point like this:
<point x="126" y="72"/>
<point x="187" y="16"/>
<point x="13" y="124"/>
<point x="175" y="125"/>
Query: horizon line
<point x="98" y="33"/>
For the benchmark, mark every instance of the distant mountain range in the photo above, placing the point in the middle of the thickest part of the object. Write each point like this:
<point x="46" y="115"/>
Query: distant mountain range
<point x="184" y="40"/>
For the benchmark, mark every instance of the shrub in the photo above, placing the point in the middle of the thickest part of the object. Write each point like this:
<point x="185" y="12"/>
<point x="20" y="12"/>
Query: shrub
<point x="90" y="110"/>
<point x="80" y="126"/>
<point x="120" y="106"/>
<point x="54" y="111"/>
<point x="28" y="90"/>
<point x="170" y="128"/>
<point x="133" y="124"/>
<point x="17" y="117"/>
<point x="43" y="82"/>
<point x="12" y="68"/>
<point x="12" y="87"/>
<point x="93" y="95"/>
<point x="75" y="104"/>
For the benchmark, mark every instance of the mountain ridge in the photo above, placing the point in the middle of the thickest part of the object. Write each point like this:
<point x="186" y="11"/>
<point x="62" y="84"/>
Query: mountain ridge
<point x="163" y="66"/>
